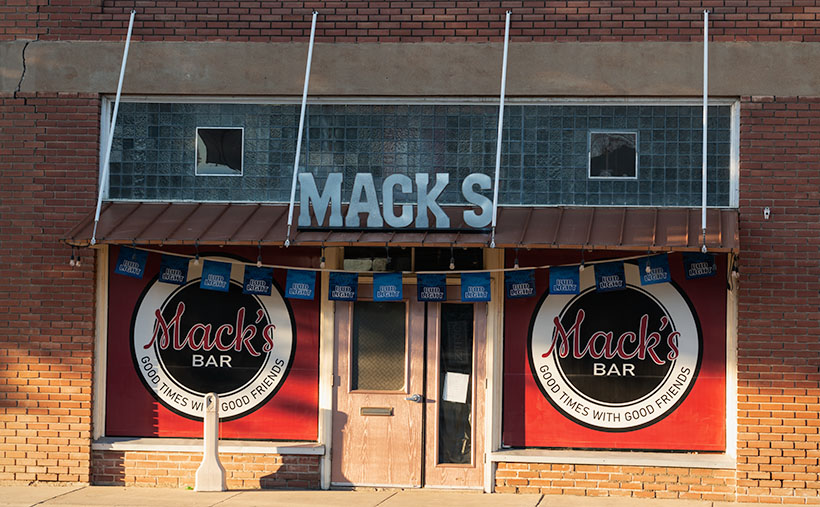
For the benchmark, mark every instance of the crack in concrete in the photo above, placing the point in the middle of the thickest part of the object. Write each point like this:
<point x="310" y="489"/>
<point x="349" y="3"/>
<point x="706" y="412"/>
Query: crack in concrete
<point x="23" y="74"/>
<point x="41" y="502"/>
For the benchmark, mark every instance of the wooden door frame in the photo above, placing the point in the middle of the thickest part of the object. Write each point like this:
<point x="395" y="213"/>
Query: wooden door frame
<point x="493" y="259"/>
<point x="480" y="439"/>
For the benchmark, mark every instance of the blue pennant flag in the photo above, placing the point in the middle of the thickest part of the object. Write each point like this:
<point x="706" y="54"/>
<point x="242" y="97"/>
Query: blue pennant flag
<point x="654" y="269"/>
<point x="520" y="284"/>
<point x="387" y="287"/>
<point x="699" y="265"/>
<point x="565" y="280"/>
<point x="343" y="286"/>
<point x="432" y="287"/>
<point x="131" y="262"/>
<point x="300" y="284"/>
<point x="258" y="281"/>
<point x="610" y="276"/>
<point x="216" y="276"/>
<point x="475" y="287"/>
<point x="173" y="269"/>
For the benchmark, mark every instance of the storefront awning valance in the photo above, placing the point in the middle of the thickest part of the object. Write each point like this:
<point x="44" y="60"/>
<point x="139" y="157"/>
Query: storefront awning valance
<point x="655" y="229"/>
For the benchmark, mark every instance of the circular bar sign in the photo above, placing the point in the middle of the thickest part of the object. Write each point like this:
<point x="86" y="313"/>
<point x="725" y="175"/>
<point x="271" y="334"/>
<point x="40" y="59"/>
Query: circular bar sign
<point x="187" y="342"/>
<point x="616" y="361"/>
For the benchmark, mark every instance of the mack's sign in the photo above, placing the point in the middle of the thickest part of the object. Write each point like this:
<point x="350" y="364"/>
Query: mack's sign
<point x="616" y="361"/>
<point x="364" y="198"/>
<point x="187" y="342"/>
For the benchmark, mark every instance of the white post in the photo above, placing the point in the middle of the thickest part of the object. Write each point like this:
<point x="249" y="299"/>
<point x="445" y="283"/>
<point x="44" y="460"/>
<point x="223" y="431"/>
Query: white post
<point x="500" y="126"/>
<point x="705" y="115"/>
<point x="301" y="126"/>
<point x="110" y="140"/>
<point x="210" y="476"/>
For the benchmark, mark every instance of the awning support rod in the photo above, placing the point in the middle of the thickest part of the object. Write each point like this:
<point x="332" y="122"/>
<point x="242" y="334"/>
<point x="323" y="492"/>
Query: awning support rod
<point x="705" y="118"/>
<point x="500" y="127"/>
<point x="301" y="128"/>
<point x="110" y="141"/>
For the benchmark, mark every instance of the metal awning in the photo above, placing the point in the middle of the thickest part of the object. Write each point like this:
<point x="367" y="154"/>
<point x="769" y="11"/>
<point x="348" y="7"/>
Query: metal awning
<point x="642" y="229"/>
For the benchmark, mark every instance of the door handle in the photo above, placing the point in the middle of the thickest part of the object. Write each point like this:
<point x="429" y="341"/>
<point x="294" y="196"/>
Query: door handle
<point x="416" y="397"/>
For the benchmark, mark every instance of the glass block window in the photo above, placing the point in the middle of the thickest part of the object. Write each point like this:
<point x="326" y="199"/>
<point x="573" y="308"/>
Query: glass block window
<point x="545" y="151"/>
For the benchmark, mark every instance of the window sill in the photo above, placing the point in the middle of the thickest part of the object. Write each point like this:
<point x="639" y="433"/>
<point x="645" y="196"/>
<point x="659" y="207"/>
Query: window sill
<point x="651" y="459"/>
<point x="196" y="445"/>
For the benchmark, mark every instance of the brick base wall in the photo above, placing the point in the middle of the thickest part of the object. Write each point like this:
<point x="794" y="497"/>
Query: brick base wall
<point x="178" y="469"/>
<point x="621" y="481"/>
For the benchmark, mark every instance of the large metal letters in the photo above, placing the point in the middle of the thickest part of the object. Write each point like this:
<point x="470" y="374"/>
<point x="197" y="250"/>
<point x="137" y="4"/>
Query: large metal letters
<point x="365" y="199"/>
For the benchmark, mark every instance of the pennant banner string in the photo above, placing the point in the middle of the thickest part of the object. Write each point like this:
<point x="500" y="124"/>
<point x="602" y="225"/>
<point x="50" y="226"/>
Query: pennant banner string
<point x="438" y="272"/>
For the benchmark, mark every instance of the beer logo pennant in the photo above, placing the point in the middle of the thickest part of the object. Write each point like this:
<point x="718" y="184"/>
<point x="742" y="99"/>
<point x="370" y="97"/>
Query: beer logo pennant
<point x="610" y="276"/>
<point x="216" y="276"/>
<point x="520" y="284"/>
<point x="432" y="287"/>
<point x="387" y="287"/>
<point x="699" y="265"/>
<point x="300" y="284"/>
<point x="173" y="269"/>
<point x="131" y="262"/>
<point x="257" y="281"/>
<point x="565" y="280"/>
<point x="475" y="287"/>
<point x="343" y="286"/>
<point x="654" y="269"/>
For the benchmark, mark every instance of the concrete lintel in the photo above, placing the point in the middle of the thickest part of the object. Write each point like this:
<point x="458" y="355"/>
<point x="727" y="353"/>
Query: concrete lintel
<point x="11" y="64"/>
<point x="623" y="69"/>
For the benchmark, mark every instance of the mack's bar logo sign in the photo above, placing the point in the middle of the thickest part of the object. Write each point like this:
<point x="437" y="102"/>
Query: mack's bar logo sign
<point x="187" y="342"/>
<point x="364" y="198"/>
<point x="615" y="361"/>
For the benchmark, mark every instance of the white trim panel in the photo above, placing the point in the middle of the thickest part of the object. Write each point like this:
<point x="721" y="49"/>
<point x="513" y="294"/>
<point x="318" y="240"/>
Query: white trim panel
<point x="643" y="459"/>
<point x="98" y="391"/>
<point x="196" y="445"/>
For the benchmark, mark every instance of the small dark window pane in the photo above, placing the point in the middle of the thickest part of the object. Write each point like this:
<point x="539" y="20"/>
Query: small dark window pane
<point x="455" y="415"/>
<point x="612" y="155"/>
<point x="218" y="151"/>
<point x="434" y="259"/>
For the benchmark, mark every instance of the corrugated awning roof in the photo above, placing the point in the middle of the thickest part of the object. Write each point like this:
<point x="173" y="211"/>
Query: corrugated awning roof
<point x="657" y="229"/>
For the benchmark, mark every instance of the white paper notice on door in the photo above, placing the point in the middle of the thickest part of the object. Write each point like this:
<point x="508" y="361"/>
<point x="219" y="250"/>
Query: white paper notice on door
<point x="455" y="387"/>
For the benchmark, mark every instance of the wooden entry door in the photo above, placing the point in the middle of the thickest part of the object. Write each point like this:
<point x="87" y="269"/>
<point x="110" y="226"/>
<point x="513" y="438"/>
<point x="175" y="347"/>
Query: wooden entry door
<point x="456" y="390"/>
<point x="403" y="417"/>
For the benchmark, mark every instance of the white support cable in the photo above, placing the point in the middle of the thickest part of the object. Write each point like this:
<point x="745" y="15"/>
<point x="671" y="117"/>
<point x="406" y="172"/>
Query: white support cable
<point x="705" y="118"/>
<point x="500" y="127"/>
<point x="110" y="140"/>
<point x="301" y="127"/>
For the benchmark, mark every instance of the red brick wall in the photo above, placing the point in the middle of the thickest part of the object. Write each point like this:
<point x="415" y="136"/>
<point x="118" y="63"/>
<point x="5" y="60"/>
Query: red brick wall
<point x="610" y="480"/>
<point x="779" y="300"/>
<point x="178" y="469"/>
<point x="411" y="21"/>
<point x="48" y="167"/>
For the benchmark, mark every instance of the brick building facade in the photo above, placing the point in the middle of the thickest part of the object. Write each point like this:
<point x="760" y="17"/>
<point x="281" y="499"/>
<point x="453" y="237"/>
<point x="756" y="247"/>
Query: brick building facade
<point x="59" y="63"/>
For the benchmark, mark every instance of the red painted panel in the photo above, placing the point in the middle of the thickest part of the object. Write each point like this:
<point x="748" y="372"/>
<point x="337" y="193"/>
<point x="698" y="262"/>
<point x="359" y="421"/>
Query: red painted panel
<point x="698" y="423"/>
<point x="132" y="410"/>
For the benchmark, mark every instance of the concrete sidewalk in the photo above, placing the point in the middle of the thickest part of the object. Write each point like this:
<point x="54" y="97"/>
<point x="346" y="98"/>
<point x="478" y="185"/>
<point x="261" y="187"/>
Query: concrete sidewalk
<point x="86" y="496"/>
